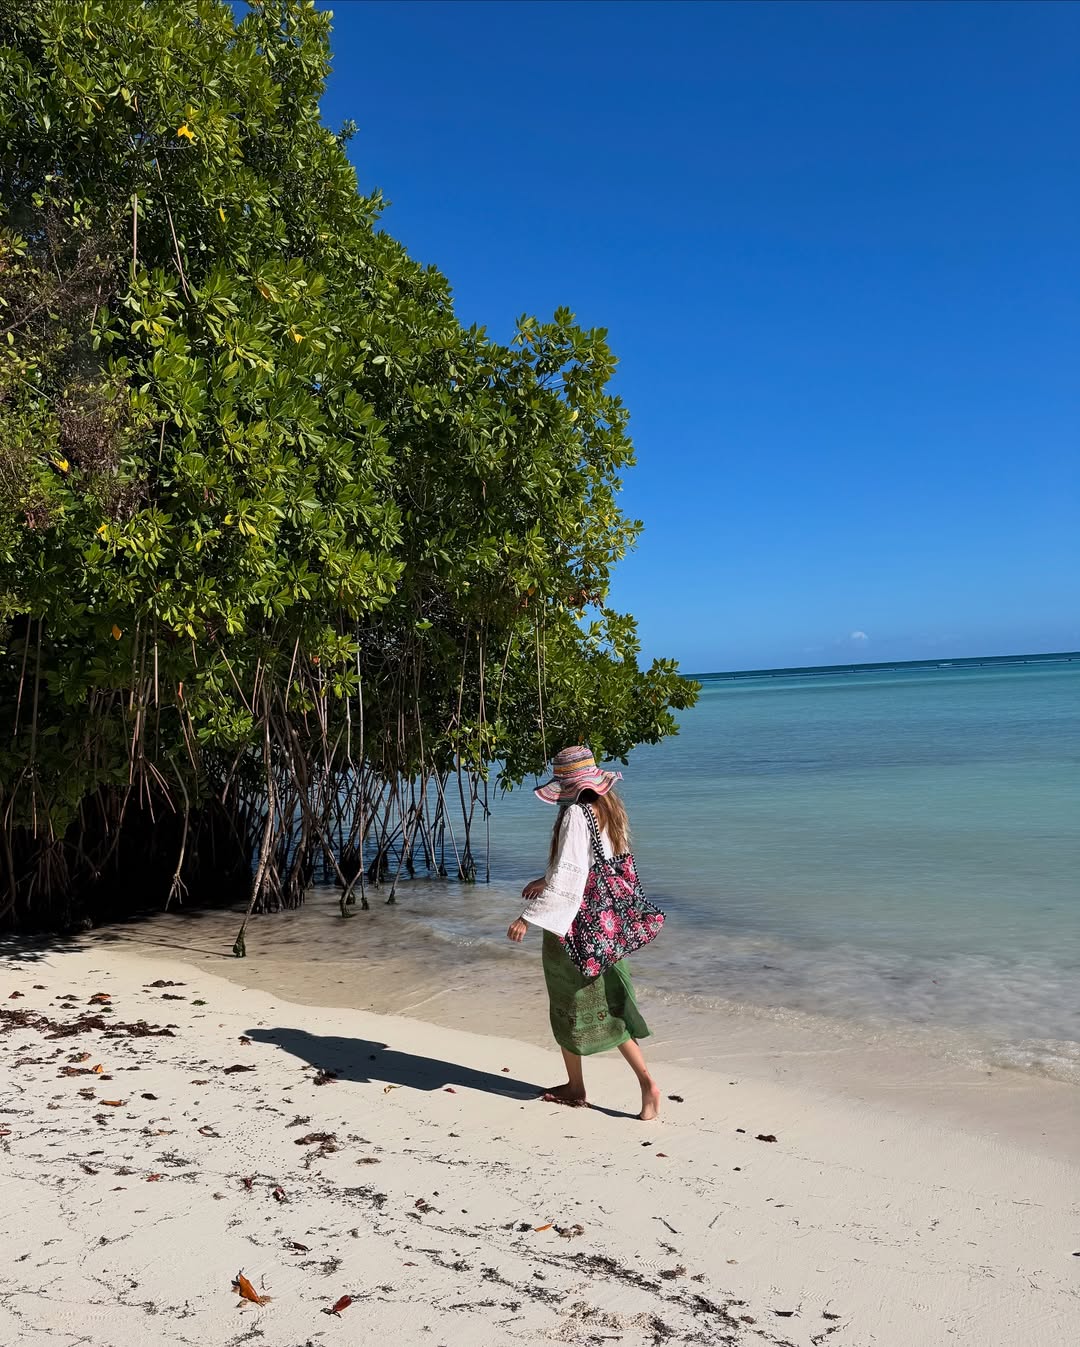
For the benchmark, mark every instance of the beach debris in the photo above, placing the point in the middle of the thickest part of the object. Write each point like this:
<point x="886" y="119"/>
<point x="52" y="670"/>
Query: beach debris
<point x="171" y="996"/>
<point x="569" y="1231"/>
<point x="207" y="1131"/>
<point x="342" y="1304"/>
<point x="741" y="1129"/>
<point x="152" y="1178"/>
<point x="449" y="1089"/>
<point x="279" y="1194"/>
<point x="99" y="999"/>
<point x="422" y="1206"/>
<point x="315" y="1139"/>
<point x="538" y="1229"/>
<point x="825" y="1314"/>
<point x="248" y="1182"/>
<point x="15" y="996"/>
<point x="323" y="1077"/>
<point x="75" y="1071"/>
<point x="149" y="1096"/>
<point x="388" y="1088"/>
<point x="666" y="1223"/>
<point x="200" y="1082"/>
<point x="669" y="1274"/>
<point x="245" y="1040"/>
<point x="232" y="1070"/>
<point x="369" y="1160"/>
<point x="246" y="1291"/>
<point x="785" y="1314"/>
<point x="676" y="1098"/>
<point x="161" y="982"/>
<point x="764" y="1136"/>
<point x="198" y="1003"/>
<point x="506" y="1070"/>
<point x="5" y="1131"/>
<point x="661" y="1155"/>
<point x="297" y="1246"/>
<point x="87" y="1092"/>
<point x="114" y="1103"/>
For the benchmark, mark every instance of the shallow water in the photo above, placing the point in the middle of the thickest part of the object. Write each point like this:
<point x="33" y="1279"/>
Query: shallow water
<point x="896" y="850"/>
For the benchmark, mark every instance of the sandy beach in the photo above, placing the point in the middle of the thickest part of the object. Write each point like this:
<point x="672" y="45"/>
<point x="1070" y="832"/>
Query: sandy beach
<point x="163" y="1129"/>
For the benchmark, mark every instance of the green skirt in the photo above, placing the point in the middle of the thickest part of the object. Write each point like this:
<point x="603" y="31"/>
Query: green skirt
<point x="589" y="1014"/>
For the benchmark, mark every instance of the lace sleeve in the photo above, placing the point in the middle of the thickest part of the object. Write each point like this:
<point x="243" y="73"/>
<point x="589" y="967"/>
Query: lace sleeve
<point x="564" y="883"/>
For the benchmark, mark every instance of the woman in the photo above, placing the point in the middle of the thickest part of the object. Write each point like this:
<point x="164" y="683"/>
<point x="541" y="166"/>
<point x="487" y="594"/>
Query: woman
<point x="587" y="1014"/>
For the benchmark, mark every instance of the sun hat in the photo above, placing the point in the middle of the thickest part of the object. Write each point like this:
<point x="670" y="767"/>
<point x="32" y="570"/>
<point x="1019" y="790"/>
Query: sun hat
<point x="575" y="771"/>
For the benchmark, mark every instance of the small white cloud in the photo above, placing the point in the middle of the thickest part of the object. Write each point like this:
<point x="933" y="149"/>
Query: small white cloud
<point x="858" y="636"/>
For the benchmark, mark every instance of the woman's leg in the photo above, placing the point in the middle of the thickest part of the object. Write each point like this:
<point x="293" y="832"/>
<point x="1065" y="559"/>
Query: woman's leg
<point x="573" y="1092"/>
<point x="650" y="1091"/>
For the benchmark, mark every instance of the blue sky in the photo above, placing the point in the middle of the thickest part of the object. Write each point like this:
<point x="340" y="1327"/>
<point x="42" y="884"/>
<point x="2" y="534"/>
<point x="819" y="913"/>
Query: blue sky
<point x="836" y="249"/>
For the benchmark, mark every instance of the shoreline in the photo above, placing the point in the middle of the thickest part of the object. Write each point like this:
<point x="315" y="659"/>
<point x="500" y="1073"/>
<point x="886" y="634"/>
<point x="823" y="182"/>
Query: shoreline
<point x="902" y="1072"/>
<point x="424" y="1180"/>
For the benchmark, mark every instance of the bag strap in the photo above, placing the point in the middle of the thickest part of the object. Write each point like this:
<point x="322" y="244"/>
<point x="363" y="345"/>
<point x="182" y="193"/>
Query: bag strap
<point x="594" y="833"/>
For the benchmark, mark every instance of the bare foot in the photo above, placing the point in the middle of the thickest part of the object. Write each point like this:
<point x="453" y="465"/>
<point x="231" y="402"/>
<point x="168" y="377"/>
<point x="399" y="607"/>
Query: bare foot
<point x="563" y="1094"/>
<point x="650" y="1102"/>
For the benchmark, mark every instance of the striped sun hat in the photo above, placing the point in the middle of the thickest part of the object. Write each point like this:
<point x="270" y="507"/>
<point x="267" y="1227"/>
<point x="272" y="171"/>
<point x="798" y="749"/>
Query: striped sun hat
<point x="575" y="771"/>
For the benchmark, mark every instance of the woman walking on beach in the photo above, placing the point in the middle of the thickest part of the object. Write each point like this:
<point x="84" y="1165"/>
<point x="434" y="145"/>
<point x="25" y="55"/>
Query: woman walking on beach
<point x="588" y="1014"/>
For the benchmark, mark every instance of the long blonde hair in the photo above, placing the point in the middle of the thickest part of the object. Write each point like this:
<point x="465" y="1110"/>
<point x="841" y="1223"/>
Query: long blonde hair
<point x="610" y="814"/>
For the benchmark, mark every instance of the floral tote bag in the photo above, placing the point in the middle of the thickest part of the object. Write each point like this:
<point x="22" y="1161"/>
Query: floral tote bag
<point x="615" y="917"/>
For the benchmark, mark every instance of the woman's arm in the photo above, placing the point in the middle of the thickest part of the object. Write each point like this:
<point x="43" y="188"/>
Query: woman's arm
<point x="564" y="884"/>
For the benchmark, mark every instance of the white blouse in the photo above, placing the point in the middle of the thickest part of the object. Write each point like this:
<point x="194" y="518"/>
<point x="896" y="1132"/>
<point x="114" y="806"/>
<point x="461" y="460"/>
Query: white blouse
<point x="564" y="882"/>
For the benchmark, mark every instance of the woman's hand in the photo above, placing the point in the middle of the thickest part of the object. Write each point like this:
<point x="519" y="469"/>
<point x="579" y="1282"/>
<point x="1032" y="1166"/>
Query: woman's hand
<point x="533" y="889"/>
<point x="517" y="930"/>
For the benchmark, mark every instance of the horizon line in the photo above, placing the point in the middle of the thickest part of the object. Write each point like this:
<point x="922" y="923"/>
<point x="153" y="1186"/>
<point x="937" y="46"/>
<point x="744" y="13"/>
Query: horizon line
<point x="929" y="663"/>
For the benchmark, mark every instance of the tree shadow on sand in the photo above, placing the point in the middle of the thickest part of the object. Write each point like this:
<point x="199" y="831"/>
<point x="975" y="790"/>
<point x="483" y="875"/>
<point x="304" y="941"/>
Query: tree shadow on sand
<point x="373" y="1063"/>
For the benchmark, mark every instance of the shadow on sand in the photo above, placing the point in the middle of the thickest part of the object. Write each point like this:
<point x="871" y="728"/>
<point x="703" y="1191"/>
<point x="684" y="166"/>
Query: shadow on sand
<point x="357" y="1059"/>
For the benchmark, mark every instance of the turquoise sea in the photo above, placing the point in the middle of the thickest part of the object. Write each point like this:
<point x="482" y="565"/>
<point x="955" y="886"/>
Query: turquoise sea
<point x="896" y="848"/>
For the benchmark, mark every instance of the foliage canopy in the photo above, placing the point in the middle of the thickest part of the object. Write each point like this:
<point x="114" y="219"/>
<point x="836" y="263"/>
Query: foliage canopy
<point x="287" y="553"/>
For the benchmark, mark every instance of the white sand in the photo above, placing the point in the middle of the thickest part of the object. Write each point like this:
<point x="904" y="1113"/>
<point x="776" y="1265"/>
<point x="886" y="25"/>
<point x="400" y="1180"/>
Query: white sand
<point x="862" y="1224"/>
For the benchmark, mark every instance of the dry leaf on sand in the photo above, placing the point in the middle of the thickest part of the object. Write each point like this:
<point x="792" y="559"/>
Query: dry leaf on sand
<point x="246" y="1291"/>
